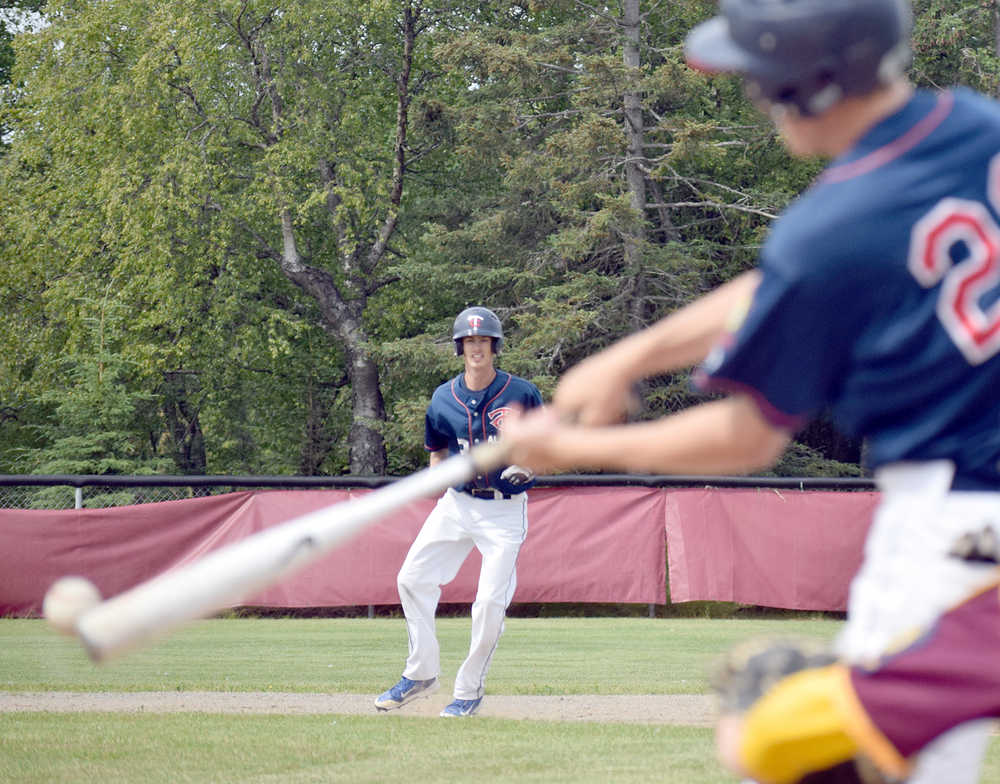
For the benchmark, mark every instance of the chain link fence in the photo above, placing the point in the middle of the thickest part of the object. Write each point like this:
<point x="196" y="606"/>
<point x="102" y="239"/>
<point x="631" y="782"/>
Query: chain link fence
<point x="95" y="496"/>
<point x="99" y="492"/>
<point x="31" y="491"/>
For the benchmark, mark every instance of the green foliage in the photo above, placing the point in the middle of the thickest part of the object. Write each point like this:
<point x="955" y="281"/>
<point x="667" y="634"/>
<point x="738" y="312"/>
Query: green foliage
<point x="99" y="419"/>
<point x="802" y="460"/>
<point x="13" y="16"/>
<point x="6" y="54"/>
<point x="956" y="43"/>
<point x="548" y="104"/>
<point x="412" y="369"/>
<point x="179" y="133"/>
<point x="96" y="426"/>
<point x="155" y="148"/>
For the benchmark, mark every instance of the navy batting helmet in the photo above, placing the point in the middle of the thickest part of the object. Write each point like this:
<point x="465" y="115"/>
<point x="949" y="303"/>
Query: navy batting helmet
<point x="805" y="53"/>
<point x="477" y="320"/>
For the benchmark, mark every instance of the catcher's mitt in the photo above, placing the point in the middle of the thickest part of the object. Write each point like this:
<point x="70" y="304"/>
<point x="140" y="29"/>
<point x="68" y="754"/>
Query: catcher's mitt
<point x="750" y="670"/>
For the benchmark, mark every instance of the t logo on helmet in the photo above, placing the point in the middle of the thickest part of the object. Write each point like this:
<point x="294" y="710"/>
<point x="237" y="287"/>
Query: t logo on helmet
<point x="475" y="321"/>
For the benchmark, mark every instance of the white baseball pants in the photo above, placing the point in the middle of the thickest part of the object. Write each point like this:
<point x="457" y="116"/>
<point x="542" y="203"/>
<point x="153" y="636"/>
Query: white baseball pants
<point x="908" y="579"/>
<point x="459" y="522"/>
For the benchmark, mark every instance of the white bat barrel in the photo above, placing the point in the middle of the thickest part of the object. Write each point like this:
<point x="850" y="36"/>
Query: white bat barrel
<point x="230" y="575"/>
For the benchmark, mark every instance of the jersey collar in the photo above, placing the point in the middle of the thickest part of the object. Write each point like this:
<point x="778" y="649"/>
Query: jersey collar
<point x="893" y="137"/>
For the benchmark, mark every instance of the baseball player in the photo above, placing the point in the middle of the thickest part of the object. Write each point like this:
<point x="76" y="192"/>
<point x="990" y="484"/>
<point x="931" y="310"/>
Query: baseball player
<point x="489" y="514"/>
<point x="877" y="297"/>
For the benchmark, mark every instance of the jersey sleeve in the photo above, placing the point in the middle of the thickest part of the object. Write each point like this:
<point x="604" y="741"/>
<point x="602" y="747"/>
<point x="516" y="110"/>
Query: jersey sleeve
<point x="789" y="351"/>
<point x="435" y="439"/>
<point x="533" y="398"/>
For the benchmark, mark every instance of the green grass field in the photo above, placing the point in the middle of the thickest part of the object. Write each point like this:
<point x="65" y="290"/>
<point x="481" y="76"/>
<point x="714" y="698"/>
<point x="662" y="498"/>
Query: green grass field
<point x="537" y="656"/>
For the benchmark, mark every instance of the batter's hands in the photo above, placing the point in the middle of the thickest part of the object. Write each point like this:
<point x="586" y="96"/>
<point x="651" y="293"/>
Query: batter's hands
<point x="595" y="392"/>
<point x="530" y="437"/>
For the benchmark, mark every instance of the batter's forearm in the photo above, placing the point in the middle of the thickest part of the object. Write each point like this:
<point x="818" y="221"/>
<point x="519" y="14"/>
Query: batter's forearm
<point x="722" y="437"/>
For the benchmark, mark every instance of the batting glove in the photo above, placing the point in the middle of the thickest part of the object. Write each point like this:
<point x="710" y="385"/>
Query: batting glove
<point x="517" y="475"/>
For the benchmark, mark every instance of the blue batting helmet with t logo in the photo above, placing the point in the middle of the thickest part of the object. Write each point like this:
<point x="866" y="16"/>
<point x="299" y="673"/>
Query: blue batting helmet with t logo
<point x="477" y="320"/>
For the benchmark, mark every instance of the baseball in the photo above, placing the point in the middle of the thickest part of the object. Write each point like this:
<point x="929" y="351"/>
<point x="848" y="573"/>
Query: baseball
<point x="67" y="600"/>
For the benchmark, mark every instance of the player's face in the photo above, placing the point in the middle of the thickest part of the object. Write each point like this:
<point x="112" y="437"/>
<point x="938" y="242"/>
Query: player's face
<point x="836" y="130"/>
<point x="477" y="350"/>
<point x="804" y="136"/>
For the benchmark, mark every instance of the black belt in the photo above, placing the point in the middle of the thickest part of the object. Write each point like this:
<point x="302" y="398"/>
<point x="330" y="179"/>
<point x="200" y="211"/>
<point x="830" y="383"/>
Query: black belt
<point x="488" y="495"/>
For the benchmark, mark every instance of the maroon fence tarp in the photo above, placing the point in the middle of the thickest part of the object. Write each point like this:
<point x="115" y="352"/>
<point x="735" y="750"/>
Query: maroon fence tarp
<point x="791" y="549"/>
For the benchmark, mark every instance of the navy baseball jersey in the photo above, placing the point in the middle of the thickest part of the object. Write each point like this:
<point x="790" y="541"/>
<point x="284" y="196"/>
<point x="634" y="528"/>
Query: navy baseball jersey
<point x="459" y="418"/>
<point x="880" y="294"/>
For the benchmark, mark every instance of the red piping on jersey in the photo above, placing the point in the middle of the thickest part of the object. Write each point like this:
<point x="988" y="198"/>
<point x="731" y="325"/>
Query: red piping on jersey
<point x="773" y="415"/>
<point x="895" y="149"/>
<point x="468" y="414"/>
<point x="486" y="408"/>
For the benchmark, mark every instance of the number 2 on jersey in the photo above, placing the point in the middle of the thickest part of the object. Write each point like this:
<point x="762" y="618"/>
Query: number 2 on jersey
<point x="954" y="223"/>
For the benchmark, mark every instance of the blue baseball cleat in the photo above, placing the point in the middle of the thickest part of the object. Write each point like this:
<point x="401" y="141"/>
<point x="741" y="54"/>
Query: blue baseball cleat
<point x="404" y="692"/>
<point x="462" y="708"/>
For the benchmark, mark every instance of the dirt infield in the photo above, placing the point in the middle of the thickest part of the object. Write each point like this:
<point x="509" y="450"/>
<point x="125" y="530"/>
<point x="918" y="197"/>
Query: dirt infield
<point x="687" y="709"/>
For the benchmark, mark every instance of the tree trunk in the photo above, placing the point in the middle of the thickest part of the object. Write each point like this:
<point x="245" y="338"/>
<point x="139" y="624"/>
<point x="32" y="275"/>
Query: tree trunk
<point x="368" y="411"/>
<point x="342" y="319"/>
<point x="635" y="179"/>
<point x="187" y="442"/>
<point x="316" y="440"/>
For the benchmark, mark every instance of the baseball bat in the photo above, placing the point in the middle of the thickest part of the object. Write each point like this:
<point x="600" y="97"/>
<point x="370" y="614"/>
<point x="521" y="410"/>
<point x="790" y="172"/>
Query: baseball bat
<point x="229" y="575"/>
